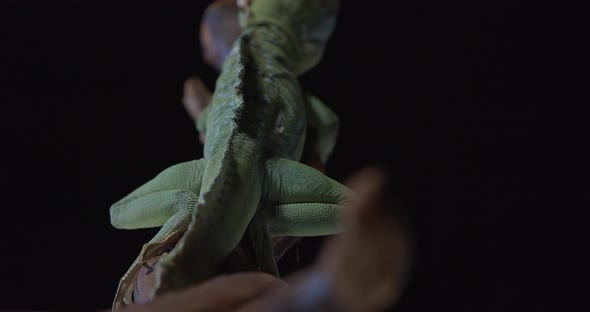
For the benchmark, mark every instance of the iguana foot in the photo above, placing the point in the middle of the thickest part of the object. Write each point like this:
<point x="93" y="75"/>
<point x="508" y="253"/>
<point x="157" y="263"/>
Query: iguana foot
<point x="196" y="97"/>
<point x="145" y="282"/>
<point x="219" y="30"/>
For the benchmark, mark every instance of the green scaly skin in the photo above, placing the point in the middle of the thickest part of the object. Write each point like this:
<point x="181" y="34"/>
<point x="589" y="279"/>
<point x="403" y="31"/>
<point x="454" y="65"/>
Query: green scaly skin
<point x="250" y="180"/>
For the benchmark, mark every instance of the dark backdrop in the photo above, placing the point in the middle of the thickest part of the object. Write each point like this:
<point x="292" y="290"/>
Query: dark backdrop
<point x="435" y="91"/>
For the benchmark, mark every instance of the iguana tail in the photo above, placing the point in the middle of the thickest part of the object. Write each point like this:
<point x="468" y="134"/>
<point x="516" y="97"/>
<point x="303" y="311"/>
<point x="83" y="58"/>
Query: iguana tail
<point x="230" y="188"/>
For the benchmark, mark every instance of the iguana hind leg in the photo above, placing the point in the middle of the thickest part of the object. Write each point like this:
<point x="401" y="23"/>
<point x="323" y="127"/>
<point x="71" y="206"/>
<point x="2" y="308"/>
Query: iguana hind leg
<point x="168" y="200"/>
<point x="152" y="204"/>
<point x="301" y="200"/>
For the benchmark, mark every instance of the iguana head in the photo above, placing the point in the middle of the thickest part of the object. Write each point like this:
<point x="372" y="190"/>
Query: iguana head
<point x="310" y="21"/>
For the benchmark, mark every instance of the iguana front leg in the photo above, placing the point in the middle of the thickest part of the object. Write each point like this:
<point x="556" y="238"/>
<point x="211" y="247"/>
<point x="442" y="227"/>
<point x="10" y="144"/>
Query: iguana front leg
<point x="326" y="122"/>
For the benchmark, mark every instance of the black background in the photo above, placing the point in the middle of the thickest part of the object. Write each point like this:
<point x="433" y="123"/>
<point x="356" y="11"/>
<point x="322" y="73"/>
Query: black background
<point x="435" y="91"/>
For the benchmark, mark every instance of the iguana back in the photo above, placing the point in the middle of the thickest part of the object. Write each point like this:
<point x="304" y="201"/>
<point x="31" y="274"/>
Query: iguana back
<point x="250" y="174"/>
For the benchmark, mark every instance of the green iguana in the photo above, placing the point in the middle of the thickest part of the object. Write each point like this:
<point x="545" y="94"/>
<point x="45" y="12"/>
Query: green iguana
<point x="250" y="180"/>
